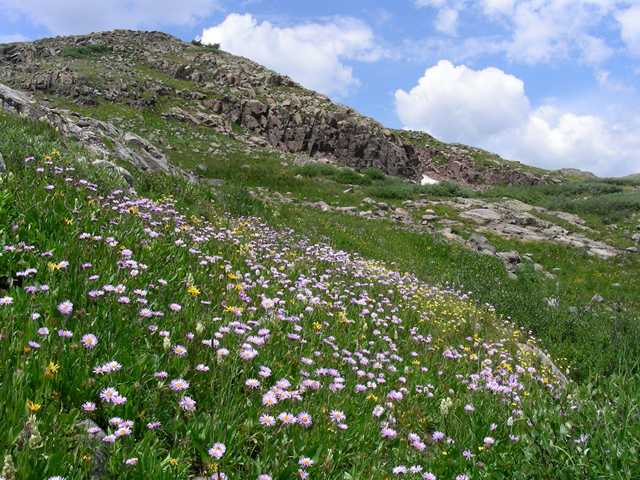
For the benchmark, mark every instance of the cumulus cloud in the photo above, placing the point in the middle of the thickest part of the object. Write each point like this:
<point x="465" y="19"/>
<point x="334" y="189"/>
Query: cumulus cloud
<point x="312" y="53"/>
<point x="539" y="31"/>
<point x="447" y="21"/>
<point x="489" y="108"/>
<point x="67" y="17"/>
<point x="11" y="38"/>
<point x="630" y="27"/>
<point x="461" y="104"/>
<point x="551" y="138"/>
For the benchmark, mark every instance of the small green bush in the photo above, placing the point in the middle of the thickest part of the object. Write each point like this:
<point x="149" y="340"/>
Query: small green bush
<point x="316" y="170"/>
<point x="240" y="202"/>
<point x="373" y="173"/>
<point x="326" y="170"/>
<point x="352" y="178"/>
<point x="210" y="46"/>
<point x="77" y="52"/>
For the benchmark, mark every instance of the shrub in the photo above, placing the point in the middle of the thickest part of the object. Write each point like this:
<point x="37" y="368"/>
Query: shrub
<point x="240" y="202"/>
<point x="316" y="170"/>
<point x="209" y="46"/>
<point x="351" y="177"/>
<point x="373" y="173"/>
<point x="77" y="52"/>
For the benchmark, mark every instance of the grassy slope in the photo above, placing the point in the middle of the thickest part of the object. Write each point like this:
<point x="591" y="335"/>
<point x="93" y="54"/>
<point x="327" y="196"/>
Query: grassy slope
<point x="571" y="335"/>
<point x="558" y="437"/>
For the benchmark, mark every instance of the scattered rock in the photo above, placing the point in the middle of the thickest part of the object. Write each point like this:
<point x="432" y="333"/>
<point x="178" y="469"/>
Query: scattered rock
<point x="512" y="258"/>
<point x="98" y="470"/>
<point x="597" y="298"/>
<point x="348" y="210"/>
<point x="602" y="252"/>
<point x="482" y="244"/>
<point x="546" y="361"/>
<point x="632" y="249"/>
<point x="482" y="216"/>
<point x="3" y="167"/>
<point x="123" y="172"/>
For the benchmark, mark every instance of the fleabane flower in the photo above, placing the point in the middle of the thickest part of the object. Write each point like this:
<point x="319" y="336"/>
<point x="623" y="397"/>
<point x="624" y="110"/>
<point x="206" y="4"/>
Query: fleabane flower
<point x="267" y="420"/>
<point x="108" y="394"/>
<point x="217" y="451"/>
<point x="187" y="403"/>
<point x="337" y="416"/>
<point x="89" y="340"/>
<point x="179" y="384"/>
<point x="179" y="350"/>
<point x="65" y="307"/>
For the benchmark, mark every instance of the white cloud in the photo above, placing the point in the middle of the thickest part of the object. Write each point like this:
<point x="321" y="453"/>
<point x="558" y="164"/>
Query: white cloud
<point x="607" y="84"/>
<point x="16" y="37"/>
<point x="594" y="51"/>
<point x="551" y="139"/>
<point x="447" y="21"/>
<point x="540" y="31"/>
<point x="630" y="27"/>
<point x="66" y="17"/>
<point x="543" y="30"/>
<point x="311" y="54"/>
<point x="489" y="108"/>
<point x="460" y="104"/>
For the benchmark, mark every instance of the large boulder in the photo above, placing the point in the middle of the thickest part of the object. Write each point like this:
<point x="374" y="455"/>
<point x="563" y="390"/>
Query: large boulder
<point x="123" y="172"/>
<point x="482" y="244"/>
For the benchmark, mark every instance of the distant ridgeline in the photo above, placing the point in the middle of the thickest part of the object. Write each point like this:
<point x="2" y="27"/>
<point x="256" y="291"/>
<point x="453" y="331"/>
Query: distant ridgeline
<point x="202" y="85"/>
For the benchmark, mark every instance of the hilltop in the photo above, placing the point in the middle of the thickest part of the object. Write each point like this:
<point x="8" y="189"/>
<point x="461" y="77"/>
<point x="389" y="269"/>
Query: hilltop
<point x="201" y="85"/>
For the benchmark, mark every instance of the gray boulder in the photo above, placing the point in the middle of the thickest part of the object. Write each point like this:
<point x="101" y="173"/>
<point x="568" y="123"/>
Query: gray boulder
<point x="95" y="441"/>
<point x="123" y="172"/>
<point x="481" y="243"/>
<point x="512" y="258"/>
<point x="3" y="167"/>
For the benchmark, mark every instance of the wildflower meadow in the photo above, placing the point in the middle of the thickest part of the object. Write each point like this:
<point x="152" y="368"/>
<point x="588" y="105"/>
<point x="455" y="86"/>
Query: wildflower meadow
<point x="141" y="340"/>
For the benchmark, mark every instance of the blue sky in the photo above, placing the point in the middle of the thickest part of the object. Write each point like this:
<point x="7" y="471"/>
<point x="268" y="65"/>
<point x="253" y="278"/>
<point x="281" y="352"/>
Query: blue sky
<point x="552" y="83"/>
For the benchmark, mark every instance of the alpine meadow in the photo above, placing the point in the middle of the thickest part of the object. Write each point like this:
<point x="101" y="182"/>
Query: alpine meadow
<point x="209" y="271"/>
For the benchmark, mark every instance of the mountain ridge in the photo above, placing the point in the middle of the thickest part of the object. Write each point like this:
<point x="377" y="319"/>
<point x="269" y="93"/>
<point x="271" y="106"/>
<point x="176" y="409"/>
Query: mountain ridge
<point x="201" y="85"/>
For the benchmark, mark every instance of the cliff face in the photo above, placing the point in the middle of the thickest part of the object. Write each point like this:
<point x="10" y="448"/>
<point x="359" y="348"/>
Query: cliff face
<point x="201" y="85"/>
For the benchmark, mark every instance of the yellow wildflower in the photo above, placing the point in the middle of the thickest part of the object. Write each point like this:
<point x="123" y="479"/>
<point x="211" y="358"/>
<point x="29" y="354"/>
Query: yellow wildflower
<point x="34" y="407"/>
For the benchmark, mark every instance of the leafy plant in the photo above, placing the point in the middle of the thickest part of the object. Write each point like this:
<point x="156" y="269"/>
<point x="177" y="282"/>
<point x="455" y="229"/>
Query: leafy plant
<point x="81" y="51"/>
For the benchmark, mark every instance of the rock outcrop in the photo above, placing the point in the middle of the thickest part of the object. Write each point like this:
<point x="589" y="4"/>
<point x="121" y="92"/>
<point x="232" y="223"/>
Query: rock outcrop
<point x="92" y="133"/>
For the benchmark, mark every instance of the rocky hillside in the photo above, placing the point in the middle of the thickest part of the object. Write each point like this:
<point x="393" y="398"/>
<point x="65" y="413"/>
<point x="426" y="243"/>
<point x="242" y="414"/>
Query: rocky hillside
<point x="201" y="85"/>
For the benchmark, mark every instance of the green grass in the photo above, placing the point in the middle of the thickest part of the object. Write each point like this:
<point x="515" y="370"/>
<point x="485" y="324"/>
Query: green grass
<point x="294" y="274"/>
<point x="83" y="51"/>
